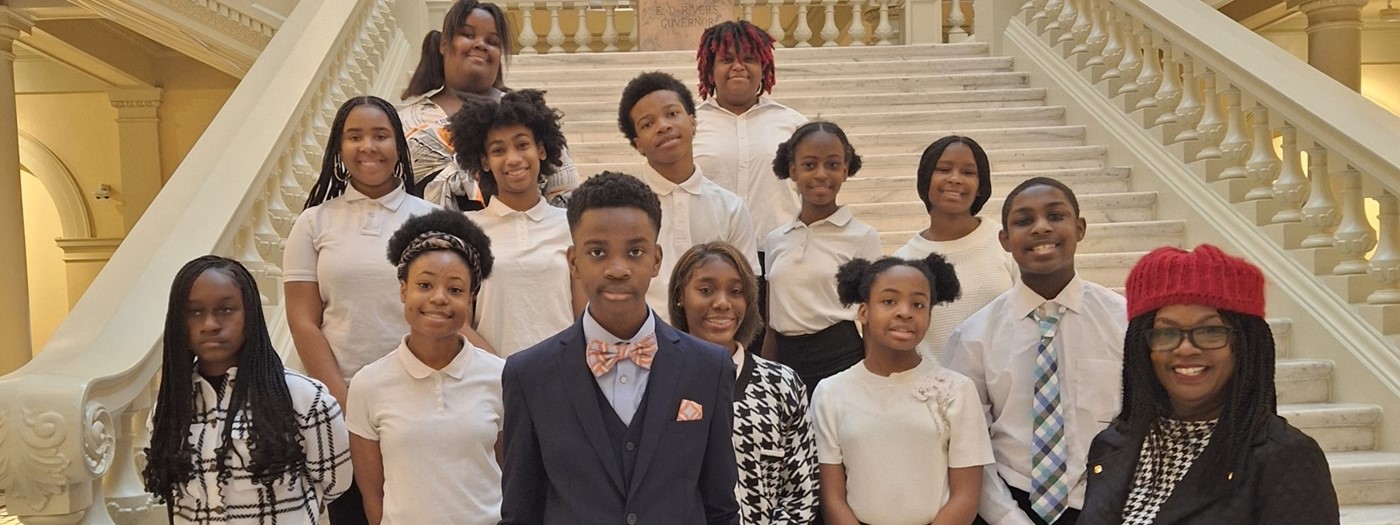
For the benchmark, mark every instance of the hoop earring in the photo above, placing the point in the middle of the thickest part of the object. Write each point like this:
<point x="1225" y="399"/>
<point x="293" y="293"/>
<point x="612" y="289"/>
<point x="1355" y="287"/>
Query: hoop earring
<point x="339" y="171"/>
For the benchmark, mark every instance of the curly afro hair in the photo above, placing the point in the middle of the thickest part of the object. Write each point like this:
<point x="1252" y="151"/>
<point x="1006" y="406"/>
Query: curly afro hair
<point x="646" y="84"/>
<point x="855" y="278"/>
<point x="449" y="222"/>
<point x="787" y="151"/>
<point x="479" y="115"/>
<point x="610" y="189"/>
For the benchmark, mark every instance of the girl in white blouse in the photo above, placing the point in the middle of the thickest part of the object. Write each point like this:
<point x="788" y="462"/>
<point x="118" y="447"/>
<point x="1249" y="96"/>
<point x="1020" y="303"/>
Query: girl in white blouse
<point x="900" y="440"/>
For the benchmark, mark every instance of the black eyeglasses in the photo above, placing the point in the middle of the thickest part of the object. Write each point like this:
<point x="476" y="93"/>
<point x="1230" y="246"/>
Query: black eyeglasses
<point x="1202" y="337"/>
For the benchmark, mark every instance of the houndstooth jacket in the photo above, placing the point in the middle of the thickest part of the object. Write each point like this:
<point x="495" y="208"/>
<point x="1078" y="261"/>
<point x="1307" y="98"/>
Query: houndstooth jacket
<point x="774" y="444"/>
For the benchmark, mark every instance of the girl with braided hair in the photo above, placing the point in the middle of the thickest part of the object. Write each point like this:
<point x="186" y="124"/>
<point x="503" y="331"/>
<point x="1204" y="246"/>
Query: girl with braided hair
<point x="1199" y="439"/>
<point x="425" y="420"/>
<point x="235" y="437"/>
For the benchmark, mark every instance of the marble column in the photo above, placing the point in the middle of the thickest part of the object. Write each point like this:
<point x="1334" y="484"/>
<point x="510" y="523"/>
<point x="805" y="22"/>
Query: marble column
<point x="83" y="259"/>
<point x="15" y="348"/>
<point x="138" y="133"/>
<point x="1334" y="38"/>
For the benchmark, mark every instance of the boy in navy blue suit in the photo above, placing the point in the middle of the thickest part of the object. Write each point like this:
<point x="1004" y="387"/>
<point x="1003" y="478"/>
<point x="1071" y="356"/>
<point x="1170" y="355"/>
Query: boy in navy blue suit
<point x="619" y="419"/>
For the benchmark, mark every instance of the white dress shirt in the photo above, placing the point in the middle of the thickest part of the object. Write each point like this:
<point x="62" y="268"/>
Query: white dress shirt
<point x="736" y="152"/>
<point x="693" y="212"/>
<point x="625" y="383"/>
<point x="802" y="264"/>
<point x="996" y="348"/>
<point x="529" y="296"/>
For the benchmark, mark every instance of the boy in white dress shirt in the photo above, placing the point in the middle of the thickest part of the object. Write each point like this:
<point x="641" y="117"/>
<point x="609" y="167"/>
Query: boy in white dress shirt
<point x="1046" y="357"/>
<point x="657" y="115"/>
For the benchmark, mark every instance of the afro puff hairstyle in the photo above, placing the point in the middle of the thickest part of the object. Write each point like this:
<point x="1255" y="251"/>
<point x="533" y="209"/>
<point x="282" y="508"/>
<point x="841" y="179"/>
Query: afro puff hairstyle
<point x="479" y="115"/>
<point x="643" y="85"/>
<point x="855" y="278"/>
<point x="611" y="189"/>
<point x="451" y="223"/>
<point x="787" y="151"/>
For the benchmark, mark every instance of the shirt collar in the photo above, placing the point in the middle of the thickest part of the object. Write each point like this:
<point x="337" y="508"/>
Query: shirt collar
<point x="390" y="201"/>
<point x="662" y="186"/>
<point x="712" y="103"/>
<point x="536" y="213"/>
<point x="738" y="358"/>
<point x="457" y="368"/>
<point x="839" y="219"/>
<point x="1024" y="300"/>
<point x="593" y="330"/>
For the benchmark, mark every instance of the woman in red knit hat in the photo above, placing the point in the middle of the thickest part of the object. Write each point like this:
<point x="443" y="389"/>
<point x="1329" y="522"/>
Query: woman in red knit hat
<point x="1199" y="439"/>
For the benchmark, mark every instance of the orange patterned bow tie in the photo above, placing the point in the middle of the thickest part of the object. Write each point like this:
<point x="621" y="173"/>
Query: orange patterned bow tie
<point x="602" y="356"/>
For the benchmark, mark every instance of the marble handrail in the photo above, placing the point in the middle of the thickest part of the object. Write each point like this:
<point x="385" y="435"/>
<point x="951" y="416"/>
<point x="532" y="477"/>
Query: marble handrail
<point x="71" y="419"/>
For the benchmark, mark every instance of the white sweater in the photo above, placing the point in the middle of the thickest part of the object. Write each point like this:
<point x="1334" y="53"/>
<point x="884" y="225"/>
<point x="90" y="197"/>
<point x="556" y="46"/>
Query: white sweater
<point x="984" y="270"/>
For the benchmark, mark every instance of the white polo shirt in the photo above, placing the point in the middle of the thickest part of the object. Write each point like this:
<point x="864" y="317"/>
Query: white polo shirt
<point x="693" y="212"/>
<point x="736" y="152"/>
<point x="802" y="264"/>
<point x="984" y="271"/>
<point x="437" y="432"/>
<point x="341" y="246"/>
<point x="529" y="296"/>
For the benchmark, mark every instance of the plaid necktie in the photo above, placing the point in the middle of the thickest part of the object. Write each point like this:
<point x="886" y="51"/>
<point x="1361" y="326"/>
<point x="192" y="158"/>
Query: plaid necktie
<point x="602" y="356"/>
<point x="1049" y="492"/>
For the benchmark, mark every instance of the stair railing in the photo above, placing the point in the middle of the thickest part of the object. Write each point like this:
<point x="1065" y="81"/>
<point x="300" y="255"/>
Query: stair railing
<point x="72" y="419"/>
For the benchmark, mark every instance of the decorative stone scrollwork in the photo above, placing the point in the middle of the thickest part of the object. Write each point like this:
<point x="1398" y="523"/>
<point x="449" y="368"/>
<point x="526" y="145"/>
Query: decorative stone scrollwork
<point x="132" y="513"/>
<point x="34" y="471"/>
<point x="99" y="442"/>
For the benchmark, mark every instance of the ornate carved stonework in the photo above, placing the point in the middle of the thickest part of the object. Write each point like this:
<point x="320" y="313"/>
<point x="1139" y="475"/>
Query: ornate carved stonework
<point x="99" y="444"/>
<point x="225" y="18"/>
<point x="33" y="470"/>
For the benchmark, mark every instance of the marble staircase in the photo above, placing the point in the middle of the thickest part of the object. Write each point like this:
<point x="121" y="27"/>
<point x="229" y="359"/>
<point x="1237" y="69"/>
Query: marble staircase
<point x="893" y="101"/>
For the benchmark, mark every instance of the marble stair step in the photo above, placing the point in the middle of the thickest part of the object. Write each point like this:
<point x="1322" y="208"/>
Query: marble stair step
<point x="1337" y="427"/>
<point x="815" y="105"/>
<point x="1371" y="514"/>
<point x="1100" y="238"/>
<point x="1365" y="477"/>
<point x="786" y="72"/>
<point x="1095" y="208"/>
<point x="781" y="56"/>
<point x="567" y="90"/>
<point x="626" y="160"/>
<point x="1302" y="380"/>
<point x="1107" y="269"/>
<point x="896" y="183"/>
<point x="966" y="121"/>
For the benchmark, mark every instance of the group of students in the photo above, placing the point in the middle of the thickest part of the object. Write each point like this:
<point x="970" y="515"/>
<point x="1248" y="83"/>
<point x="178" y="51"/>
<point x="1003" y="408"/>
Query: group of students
<point x="643" y="349"/>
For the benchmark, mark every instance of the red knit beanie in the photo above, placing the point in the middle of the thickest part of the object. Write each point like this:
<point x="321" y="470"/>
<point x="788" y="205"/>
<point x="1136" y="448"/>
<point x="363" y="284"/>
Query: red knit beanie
<point x="1204" y="276"/>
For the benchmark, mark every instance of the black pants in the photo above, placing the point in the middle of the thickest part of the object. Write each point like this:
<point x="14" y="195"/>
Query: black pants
<point x="821" y="355"/>
<point x="349" y="508"/>
<point x="1023" y="499"/>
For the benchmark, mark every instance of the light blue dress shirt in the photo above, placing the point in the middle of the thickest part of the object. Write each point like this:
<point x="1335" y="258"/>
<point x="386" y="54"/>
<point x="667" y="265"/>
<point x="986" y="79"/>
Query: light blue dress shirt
<point x="625" y="383"/>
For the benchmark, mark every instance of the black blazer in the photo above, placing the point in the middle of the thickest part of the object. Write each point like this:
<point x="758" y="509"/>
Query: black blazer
<point x="559" y="464"/>
<point x="1285" y="481"/>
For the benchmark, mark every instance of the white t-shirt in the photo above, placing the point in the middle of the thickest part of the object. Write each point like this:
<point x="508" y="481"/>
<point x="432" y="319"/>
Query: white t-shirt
<point x="341" y="245"/>
<point x="693" y="212"/>
<point x="897" y="437"/>
<point x="984" y="270"/>
<point x="802" y="264"/>
<point x="736" y="152"/>
<point x="529" y="296"/>
<point x="437" y="432"/>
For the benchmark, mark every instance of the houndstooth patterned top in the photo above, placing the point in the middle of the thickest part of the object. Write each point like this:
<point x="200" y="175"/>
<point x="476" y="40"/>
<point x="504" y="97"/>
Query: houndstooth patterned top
<point x="1167" y="454"/>
<point x="774" y="444"/>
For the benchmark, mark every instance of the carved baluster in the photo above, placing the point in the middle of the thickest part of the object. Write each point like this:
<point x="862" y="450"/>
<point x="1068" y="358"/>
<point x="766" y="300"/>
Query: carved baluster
<point x="1046" y="13"/>
<point x="956" y="21"/>
<point x="1031" y="8"/>
<point x="293" y="189"/>
<point x="1064" y="31"/>
<point x="803" y="33"/>
<point x="528" y="38"/>
<point x="1385" y="263"/>
<point x="632" y="33"/>
<point x="1320" y="213"/>
<point x="1291" y="187"/>
<point x="123" y="487"/>
<point x="331" y="101"/>
<point x="829" y="31"/>
<point x="1112" y="53"/>
<point x="1151" y="76"/>
<point x="1169" y="92"/>
<point x="245" y="251"/>
<point x="775" y="26"/>
<point x="583" y="38"/>
<point x="1079" y="32"/>
<point x="1188" y="112"/>
<point x="266" y="238"/>
<point x="1051" y="16"/>
<point x="312" y="155"/>
<point x="281" y="216"/>
<point x="1097" y="38"/>
<point x="857" y="29"/>
<point x="883" y="31"/>
<point x="610" y="27"/>
<point x="1262" y="166"/>
<point x="1212" y="126"/>
<point x="1131" y="65"/>
<point x="556" y="34"/>
<point x="747" y="6"/>
<point x="1354" y="235"/>
<point x="1234" y="148"/>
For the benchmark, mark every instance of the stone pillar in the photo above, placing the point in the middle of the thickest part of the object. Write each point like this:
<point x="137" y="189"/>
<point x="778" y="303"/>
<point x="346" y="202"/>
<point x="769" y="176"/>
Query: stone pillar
<point x="83" y="259"/>
<point x="922" y="22"/>
<point x="138" y="132"/>
<point x="14" y="280"/>
<point x="1334" y="38"/>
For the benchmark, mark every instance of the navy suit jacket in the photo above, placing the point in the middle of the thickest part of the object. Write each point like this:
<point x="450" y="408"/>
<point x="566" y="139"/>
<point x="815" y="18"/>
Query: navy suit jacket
<point x="559" y="463"/>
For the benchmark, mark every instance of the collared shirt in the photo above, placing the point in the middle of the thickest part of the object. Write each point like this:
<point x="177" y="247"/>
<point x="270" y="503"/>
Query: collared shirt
<point x="437" y="432"/>
<point x="736" y="152"/>
<point x="738" y="358"/>
<point x="529" y="296"/>
<point x="802" y="264"/>
<point x="340" y="246"/>
<point x="296" y="499"/>
<point x="996" y="348"/>
<point x="625" y="383"/>
<point x="693" y="212"/>
<point x="984" y="269"/>
<point x="428" y="131"/>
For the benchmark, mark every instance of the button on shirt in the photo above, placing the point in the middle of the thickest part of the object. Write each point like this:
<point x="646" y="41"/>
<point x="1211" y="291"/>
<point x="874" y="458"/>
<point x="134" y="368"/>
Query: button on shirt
<point x="340" y="246"/>
<point x="625" y="383"/>
<point x="802" y="263"/>
<point x="693" y="212"/>
<point x="529" y="296"/>
<point x="736" y="152"/>
<point x="996" y="348"/>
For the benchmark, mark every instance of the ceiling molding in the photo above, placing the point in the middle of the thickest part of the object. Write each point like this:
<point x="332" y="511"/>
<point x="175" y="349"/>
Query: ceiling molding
<point x="50" y="47"/>
<point x="209" y="31"/>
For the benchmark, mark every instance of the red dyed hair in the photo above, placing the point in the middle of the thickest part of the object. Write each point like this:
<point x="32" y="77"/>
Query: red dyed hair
<point x="737" y="37"/>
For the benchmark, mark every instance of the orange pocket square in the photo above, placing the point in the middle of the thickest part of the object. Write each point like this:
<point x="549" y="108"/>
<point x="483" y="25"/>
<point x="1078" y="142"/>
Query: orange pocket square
<point x="690" y="411"/>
